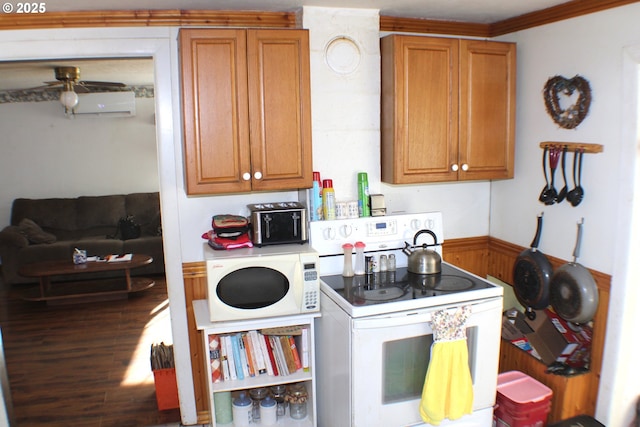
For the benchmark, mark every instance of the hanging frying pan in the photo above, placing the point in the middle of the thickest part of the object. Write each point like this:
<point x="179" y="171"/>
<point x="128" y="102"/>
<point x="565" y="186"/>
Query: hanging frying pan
<point x="573" y="291"/>
<point x="531" y="275"/>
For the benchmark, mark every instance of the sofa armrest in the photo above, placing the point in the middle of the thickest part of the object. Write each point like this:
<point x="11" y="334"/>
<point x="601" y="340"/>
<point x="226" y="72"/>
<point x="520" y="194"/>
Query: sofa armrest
<point x="12" y="237"/>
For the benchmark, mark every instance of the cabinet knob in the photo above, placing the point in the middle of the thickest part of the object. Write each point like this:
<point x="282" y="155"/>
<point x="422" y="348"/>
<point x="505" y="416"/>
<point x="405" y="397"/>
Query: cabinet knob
<point x="465" y="167"/>
<point x="257" y="175"/>
<point x="246" y="176"/>
<point x="454" y="167"/>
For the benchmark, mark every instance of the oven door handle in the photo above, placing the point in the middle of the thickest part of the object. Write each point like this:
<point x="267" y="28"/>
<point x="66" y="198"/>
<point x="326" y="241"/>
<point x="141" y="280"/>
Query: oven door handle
<point x="411" y="317"/>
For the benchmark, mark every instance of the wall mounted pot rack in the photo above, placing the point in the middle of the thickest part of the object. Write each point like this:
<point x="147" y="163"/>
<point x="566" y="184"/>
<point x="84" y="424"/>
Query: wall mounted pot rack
<point x="573" y="146"/>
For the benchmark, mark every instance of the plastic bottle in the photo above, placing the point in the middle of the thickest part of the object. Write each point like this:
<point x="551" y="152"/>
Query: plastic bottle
<point x="268" y="411"/>
<point x="347" y="270"/>
<point x="359" y="268"/>
<point x="242" y="410"/>
<point x="316" y="198"/>
<point x="328" y="199"/>
<point x="364" y="205"/>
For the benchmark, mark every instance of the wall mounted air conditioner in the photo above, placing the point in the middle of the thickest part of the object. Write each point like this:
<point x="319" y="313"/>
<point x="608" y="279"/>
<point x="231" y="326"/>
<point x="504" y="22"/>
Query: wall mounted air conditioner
<point x="111" y="104"/>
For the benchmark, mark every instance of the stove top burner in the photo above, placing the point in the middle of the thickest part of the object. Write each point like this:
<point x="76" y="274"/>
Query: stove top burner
<point x="385" y="287"/>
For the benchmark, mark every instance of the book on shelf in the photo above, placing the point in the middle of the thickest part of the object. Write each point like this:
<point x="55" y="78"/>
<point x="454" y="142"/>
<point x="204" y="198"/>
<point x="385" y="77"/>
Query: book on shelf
<point x="230" y="358"/>
<point x="243" y="355"/>
<point x="215" y="358"/>
<point x="223" y="359"/>
<point x="272" y="367"/>
<point x="278" y="353"/>
<point x="248" y="348"/>
<point x="294" y="352"/>
<point x="240" y="355"/>
<point x="288" y="354"/>
<point x="260" y="361"/>
<point x="264" y="351"/>
<point x="237" y="360"/>
<point x="303" y="347"/>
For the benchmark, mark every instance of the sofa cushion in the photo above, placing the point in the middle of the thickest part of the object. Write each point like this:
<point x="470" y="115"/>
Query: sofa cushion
<point x="50" y="214"/>
<point x="145" y="208"/>
<point x="34" y="233"/>
<point x="95" y="211"/>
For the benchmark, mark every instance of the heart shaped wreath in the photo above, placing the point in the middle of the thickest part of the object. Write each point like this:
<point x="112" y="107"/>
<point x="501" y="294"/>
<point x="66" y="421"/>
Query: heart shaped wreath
<point x="572" y="116"/>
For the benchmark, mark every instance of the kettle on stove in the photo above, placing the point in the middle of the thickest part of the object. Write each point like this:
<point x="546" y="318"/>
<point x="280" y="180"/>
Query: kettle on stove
<point x="423" y="260"/>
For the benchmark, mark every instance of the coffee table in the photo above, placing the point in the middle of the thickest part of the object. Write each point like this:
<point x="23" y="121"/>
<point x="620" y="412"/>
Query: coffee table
<point x="104" y="288"/>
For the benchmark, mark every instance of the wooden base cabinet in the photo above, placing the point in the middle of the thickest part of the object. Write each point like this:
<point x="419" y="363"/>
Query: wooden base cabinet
<point x="448" y="109"/>
<point x="302" y="377"/>
<point x="246" y="103"/>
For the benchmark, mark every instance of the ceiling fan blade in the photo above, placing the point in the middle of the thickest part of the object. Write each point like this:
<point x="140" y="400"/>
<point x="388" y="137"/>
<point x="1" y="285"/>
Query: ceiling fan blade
<point x="100" y="84"/>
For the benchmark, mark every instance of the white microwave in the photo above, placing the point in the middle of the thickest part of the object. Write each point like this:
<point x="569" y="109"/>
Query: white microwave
<point x="253" y="283"/>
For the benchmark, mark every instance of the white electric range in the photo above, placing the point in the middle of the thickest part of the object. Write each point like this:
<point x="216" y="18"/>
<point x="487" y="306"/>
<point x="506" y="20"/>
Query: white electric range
<point x="373" y="339"/>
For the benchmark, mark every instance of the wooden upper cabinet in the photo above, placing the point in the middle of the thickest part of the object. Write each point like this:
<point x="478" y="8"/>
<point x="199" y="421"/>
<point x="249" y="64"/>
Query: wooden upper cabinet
<point x="448" y="109"/>
<point x="246" y="110"/>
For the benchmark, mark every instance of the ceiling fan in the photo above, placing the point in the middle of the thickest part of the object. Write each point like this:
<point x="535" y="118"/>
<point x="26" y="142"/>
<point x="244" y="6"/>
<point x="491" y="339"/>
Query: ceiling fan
<point x="68" y="79"/>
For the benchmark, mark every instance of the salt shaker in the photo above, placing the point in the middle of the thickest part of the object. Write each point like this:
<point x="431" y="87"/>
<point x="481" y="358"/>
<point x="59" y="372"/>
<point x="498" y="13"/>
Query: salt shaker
<point x="391" y="263"/>
<point x="383" y="263"/>
<point x="347" y="271"/>
<point x="359" y="268"/>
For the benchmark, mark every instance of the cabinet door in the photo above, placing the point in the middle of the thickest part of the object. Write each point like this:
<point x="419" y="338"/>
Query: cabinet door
<point x="279" y="109"/>
<point x="487" y="109"/>
<point x="419" y="109"/>
<point x="215" y="110"/>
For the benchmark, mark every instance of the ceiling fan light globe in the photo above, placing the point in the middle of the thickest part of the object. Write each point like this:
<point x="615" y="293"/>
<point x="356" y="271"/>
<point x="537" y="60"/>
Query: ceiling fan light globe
<point x="69" y="99"/>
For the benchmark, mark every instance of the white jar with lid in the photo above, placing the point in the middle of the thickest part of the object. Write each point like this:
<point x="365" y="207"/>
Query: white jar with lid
<point x="242" y="410"/>
<point x="268" y="411"/>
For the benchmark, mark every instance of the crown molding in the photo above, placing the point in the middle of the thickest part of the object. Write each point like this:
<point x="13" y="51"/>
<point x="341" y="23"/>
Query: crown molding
<point x="138" y="18"/>
<point x="557" y="13"/>
<point x="217" y="18"/>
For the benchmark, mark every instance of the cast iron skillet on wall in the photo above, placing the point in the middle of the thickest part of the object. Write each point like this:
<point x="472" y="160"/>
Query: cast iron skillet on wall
<point x="531" y="276"/>
<point x="573" y="292"/>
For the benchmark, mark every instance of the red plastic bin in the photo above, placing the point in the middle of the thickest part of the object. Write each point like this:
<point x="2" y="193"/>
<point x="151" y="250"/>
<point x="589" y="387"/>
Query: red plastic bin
<point x="166" y="388"/>
<point x="521" y="401"/>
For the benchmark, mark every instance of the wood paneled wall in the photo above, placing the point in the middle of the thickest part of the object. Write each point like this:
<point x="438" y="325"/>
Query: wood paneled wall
<point x="482" y="256"/>
<point x="195" y="288"/>
<point x="572" y="395"/>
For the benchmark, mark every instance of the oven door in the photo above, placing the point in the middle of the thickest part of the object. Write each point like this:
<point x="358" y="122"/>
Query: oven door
<point x="390" y="358"/>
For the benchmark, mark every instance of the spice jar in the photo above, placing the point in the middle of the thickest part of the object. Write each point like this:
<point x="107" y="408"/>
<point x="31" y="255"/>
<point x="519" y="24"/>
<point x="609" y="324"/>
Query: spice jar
<point x="279" y="392"/>
<point x="297" y="397"/>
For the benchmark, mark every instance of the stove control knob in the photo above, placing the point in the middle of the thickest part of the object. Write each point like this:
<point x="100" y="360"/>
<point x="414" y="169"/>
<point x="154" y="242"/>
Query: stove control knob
<point x="429" y="224"/>
<point x="415" y="224"/>
<point x="346" y="230"/>
<point x="329" y="233"/>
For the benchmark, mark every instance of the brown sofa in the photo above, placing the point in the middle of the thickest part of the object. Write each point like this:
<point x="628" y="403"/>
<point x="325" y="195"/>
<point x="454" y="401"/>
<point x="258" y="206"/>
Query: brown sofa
<point x="50" y="229"/>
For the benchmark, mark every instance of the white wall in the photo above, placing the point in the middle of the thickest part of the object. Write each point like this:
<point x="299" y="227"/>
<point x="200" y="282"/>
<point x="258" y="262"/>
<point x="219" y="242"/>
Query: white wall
<point x="44" y="154"/>
<point x="593" y="46"/>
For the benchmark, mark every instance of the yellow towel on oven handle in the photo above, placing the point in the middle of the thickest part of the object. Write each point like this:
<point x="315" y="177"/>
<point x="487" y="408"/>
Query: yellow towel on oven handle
<point x="448" y="387"/>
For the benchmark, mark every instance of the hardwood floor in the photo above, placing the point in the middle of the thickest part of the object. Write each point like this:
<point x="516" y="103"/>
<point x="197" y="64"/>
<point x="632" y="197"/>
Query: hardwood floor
<point x="85" y="364"/>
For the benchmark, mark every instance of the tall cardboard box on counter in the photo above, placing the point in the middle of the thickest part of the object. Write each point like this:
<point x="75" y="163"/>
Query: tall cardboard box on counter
<point x="551" y="338"/>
